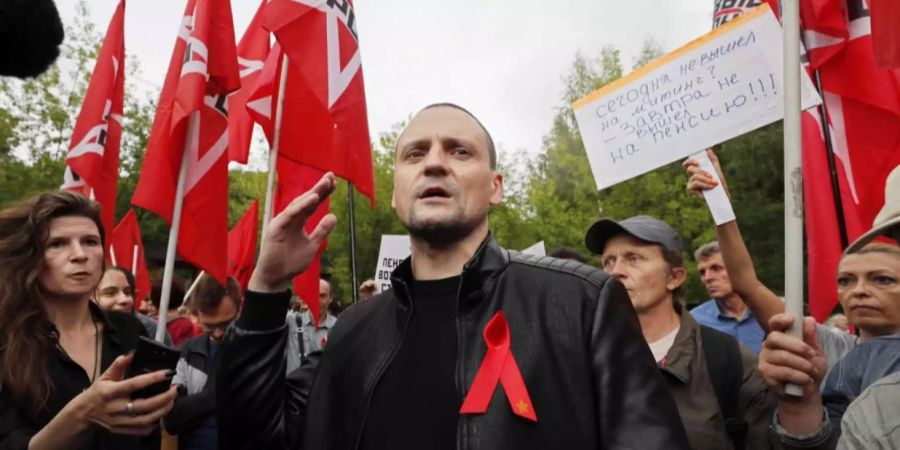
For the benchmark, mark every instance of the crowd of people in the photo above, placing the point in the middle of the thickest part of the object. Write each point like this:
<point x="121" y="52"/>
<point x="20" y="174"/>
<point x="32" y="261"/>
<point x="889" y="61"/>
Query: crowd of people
<point x="598" y="352"/>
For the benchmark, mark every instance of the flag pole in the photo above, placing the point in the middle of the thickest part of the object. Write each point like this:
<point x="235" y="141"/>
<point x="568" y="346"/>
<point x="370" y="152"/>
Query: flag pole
<point x="276" y="142"/>
<point x="793" y="177"/>
<point x="172" y="248"/>
<point x="134" y="256"/>
<point x="190" y="290"/>
<point x="352" y="243"/>
<point x="832" y="166"/>
<point x="112" y="255"/>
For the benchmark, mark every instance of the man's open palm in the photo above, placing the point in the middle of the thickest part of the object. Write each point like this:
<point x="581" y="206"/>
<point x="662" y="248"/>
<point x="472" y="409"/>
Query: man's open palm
<point x="287" y="249"/>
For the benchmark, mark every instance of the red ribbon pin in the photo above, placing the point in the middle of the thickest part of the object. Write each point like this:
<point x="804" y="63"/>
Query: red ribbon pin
<point x="498" y="365"/>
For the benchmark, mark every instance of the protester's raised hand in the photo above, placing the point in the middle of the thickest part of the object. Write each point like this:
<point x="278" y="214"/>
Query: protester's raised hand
<point x="107" y="402"/>
<point x="700" y="180"/>
<point x="786" y="359"/>
<point x="287" y="249"/>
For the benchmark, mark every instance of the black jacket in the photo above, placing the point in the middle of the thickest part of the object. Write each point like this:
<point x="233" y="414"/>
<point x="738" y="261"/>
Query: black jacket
<point x="575" y="337"/>
<point x="120" y="335"/>
<point x="196" y="399"/>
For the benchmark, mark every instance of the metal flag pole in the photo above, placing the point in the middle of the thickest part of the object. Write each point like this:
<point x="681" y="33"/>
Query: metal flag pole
<point x="276" y="142"/>
<point x="172" y="248"/>
<point x="832" y="166"/>
<point x="352" y="244"/>
<point x="793" y="177"/>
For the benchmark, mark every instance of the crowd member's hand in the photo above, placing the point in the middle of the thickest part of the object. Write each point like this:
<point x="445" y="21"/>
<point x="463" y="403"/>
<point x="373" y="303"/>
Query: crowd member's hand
<point x="786" y="359"/>
<point x="106" y="402"/>
<point x="286" y="247"/>
<point x="698" y="179"/>
<point x="368" y="285"/>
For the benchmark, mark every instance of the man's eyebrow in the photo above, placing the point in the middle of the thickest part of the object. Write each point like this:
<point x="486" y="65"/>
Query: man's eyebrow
<point x="450" y="141"/>
<point x="414" y="143"/>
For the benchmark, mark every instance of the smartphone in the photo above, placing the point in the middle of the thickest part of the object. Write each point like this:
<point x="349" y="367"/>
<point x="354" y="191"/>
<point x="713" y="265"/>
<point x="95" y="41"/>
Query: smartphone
<point x="150" y="356"/>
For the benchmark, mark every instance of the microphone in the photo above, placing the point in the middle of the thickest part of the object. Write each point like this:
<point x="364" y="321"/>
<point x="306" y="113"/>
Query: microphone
<point x="31" y="32"/>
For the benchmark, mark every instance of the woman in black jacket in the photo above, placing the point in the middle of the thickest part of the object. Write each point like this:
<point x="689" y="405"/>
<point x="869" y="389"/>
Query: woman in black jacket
<point x="62" y="359"/>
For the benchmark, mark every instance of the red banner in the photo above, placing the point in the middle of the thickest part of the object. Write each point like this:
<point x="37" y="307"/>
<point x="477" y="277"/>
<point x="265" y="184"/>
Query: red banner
<point x="202" y="71"/>
<point x="92" y="164"/>
<point x="324" y="90"/>
<point x="126" y="250"/>
<point x="242" y="246"/>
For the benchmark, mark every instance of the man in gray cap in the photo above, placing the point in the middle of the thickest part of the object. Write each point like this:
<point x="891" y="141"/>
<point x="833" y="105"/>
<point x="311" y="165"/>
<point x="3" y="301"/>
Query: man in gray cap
<point x="722" y="400"/>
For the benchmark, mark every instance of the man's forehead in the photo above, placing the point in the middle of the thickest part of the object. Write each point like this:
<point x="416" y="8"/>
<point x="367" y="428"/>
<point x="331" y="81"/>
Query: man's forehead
<point x="625" y="241"/>
<point x="444" y="121"/>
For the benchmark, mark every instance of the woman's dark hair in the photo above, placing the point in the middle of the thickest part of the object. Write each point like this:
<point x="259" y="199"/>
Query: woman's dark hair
<point x="129" y="278"/>
<point x="25" y="340"/>
<point x="176" y="295"/>
<point x="127" y="273"/>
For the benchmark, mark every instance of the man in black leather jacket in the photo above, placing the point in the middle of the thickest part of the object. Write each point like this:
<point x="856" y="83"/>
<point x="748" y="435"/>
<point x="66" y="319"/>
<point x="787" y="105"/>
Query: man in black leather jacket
<point x="568" y="367"/>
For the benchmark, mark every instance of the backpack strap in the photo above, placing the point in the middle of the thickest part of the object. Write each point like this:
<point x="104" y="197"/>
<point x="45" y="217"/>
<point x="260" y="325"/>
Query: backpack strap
<point x="726" y="371"/>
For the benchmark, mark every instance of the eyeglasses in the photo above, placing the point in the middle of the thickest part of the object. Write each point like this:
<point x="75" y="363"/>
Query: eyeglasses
<point x="216" y="326"/>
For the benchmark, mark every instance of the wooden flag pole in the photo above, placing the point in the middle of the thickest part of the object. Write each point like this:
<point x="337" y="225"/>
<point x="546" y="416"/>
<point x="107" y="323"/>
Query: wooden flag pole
<point x="134" y="260"/>
<point x="172" y="248"/>
<point x="355" y="287"/>
<point x="276" y="142"/>
<point x="793" y="176"/>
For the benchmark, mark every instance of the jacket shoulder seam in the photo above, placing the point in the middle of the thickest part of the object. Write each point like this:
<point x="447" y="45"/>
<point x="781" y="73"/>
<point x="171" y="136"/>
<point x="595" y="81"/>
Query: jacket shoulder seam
<point x="583" y="272"/>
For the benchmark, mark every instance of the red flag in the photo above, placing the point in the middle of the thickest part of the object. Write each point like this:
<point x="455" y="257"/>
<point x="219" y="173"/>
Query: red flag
<point x="295" y="179"/>
<point x="93" y="158"/>
<point x="886" y="32"/>
<point x="242" y="246"/>
<point x="261" y="99"/>
<point x="202" y="71"/>
<point x="126" y="249"/>
<point x="324" y="94"/>
<point x="252" y="51"/>
<point x="863" y="104"/>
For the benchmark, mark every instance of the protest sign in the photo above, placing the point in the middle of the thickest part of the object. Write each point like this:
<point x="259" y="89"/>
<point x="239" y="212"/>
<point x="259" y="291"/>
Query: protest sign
<point x="716" y="198"/>
<point x="719" y="86"/>
<point x="537" y="249"/>
<point x="394" y="249"/>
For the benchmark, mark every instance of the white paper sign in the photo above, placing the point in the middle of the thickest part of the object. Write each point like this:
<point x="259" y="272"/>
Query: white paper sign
<point x="721" y="85"/>
<point x="716" y="198"/>
<point x="536" y="249"/>
<point x="394" y="249"/>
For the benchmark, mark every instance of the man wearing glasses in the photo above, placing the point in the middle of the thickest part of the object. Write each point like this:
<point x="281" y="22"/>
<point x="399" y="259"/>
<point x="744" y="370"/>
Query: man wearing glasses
<point x="193" y="418"/>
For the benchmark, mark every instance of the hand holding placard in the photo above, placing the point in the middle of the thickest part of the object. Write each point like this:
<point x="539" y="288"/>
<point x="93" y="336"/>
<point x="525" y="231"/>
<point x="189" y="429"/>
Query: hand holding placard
<point x="715" y="195"/>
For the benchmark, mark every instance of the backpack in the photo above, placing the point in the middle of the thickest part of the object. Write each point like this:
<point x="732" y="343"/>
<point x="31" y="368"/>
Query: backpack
<point x="726" y="371"/>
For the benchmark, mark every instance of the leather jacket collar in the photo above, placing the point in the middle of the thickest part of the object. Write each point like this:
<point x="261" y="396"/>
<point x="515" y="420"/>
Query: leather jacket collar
<point x="478" y="273"/>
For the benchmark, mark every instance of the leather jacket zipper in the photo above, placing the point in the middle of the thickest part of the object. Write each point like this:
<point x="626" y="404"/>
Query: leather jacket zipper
<point x="383" y="369"/>
<point x="459" y="357"/>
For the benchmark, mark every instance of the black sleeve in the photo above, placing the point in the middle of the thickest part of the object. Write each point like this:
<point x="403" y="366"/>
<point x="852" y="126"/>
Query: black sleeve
<point x="635" y="409"/>
<point x="259" y="407"/>
<point x="15" y="432"/>
<point x="190" y="411"/>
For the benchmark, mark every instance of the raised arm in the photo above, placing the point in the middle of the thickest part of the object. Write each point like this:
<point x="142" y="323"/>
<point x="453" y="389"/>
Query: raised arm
<point x="258" y="407"/>
<point x="763" y="303"/>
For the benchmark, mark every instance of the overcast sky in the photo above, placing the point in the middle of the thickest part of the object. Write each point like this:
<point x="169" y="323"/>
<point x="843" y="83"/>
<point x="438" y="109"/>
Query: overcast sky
<point x="502" y="59"/>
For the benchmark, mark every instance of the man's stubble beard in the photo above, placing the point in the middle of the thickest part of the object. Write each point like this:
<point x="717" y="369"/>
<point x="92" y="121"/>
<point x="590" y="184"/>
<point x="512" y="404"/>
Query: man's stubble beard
<point x="444" y="233"/>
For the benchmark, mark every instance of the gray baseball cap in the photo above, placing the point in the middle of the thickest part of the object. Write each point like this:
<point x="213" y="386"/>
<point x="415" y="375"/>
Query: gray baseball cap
<point x="645" y="228"/>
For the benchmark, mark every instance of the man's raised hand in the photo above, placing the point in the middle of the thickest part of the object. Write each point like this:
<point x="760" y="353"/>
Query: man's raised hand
<point x="287" y="249"/>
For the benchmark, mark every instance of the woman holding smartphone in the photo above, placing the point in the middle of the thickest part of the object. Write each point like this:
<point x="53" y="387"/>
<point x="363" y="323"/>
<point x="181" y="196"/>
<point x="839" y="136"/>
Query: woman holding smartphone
<point x="62" y="358"/>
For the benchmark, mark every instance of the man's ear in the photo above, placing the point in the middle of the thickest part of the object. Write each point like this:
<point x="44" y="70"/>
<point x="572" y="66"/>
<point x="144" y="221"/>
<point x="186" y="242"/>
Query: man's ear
<point x="677" y="277"/>
<point x="496" y="189"/>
